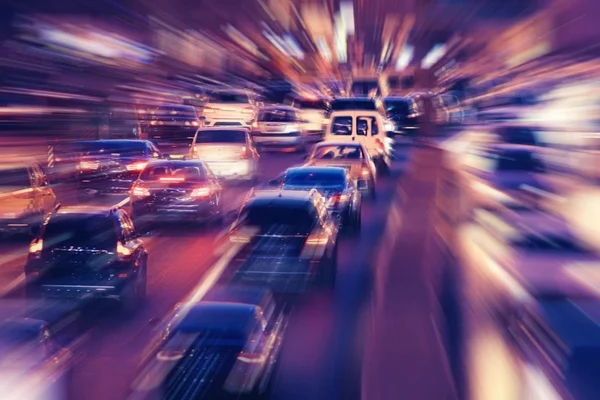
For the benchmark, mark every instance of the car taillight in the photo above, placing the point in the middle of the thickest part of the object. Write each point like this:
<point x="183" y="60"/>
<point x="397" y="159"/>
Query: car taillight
<point x="244" y="153"/>
<point x="208" y="110"/>
<point x="202" y="192"/>
<point x="380" y="145"/>
<point x="239" y="238"/>
<point x="136" y="166"/>
<point x="255" y="125"/>
<point x="170" y="355"/>
<point x="89" y="165"/>
<point x="365" y="172"/>
<point x="140" y="191"/>
<point x="36" y="247"/>
<point x="252" y="358"/>
<point x="248" y="110"/>
<point x="123" y="251"/>
<point x="317" y="240"/>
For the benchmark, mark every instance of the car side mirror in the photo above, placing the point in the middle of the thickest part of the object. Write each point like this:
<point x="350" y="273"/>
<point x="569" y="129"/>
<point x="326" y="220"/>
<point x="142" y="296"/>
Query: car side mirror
<point x="274" y="182"/>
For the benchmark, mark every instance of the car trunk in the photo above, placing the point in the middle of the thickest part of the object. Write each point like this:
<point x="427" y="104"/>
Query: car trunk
<point x="219" y="151"/>
<point x="15" y="201"/>
<point x="167" y="192"/>
<point x="275" y="127"/>
<point x="353" y="167"/>
<point x="79" y="265"/>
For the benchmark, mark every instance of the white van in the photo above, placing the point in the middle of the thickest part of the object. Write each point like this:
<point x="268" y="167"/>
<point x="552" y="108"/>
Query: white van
<point x="365" y="127"/>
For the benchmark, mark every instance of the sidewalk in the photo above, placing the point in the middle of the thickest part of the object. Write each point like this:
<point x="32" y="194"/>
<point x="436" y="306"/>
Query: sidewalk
<point x="404" y="354"/>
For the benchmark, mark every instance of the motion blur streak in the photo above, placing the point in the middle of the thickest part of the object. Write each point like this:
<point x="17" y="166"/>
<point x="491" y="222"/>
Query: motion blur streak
<point x="288" y="200"/>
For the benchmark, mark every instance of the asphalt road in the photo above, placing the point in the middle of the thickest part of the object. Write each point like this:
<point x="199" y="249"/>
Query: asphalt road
<point x="321" y="353"/>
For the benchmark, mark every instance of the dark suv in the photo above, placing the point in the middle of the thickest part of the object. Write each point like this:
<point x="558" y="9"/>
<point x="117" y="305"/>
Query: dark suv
<point x="111" y="166"/>
<point x="85" y="252"/>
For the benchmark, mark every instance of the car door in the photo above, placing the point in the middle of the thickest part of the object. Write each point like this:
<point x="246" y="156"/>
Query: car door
<point x="47" y="195"/>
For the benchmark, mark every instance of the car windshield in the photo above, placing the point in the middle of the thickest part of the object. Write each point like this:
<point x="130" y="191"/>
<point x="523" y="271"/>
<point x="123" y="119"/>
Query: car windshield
<point x="312" y="104"/>
<point x="321" y="178"/>
<point x="517" y="161"/>
<point x="517" y="135"/>
<point x="277" y="116"/>
<point x="341" y="152"/>
<point x="222" y="97"/>
<point x="187" y="173"/>
<point x="397" y="107"/>
<point x="17" y="177"/>
<point x="221" y="136"/>
<point x="77" y="230"/>
<point x="548" y="243"/>
<point x="302" y="217"/>
<point x="353" y="104"/>
<point x="116" y="148"/>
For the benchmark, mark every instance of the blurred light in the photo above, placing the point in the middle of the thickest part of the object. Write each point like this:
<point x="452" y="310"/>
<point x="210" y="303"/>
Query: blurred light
<point x="434" y="55"/>
<point x="239" y="38"/>
<point x="347" y="16"/>
<point x="293" y="46"/>
<point x="324" y="48"/>
<point x="340" y="39"/>
<point x="405" y="57"/>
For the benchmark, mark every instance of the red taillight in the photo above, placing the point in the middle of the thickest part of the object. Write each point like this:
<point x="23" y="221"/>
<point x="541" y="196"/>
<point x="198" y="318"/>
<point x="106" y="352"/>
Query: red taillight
<point x="139" y="191"/>
<point x="244" y="153"/>
<point x="338" y="198"/>
<point x="317" y="240"/>
<point x="137" y="166"/>
<point x="255" y="125"/>
<point x="202" y="192"/>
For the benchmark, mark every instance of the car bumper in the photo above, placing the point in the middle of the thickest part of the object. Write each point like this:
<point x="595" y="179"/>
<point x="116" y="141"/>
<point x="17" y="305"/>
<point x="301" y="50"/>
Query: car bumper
<point x="231" y="170"/>
<point x="277" y="140"/>
<point x="20" y="224"/>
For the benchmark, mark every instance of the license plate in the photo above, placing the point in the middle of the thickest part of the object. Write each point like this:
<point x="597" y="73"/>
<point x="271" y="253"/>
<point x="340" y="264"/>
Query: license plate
<point x="177" y="156"/>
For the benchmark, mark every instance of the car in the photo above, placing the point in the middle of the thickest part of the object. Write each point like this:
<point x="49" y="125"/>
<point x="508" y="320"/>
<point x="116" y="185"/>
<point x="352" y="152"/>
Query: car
<point x="230" y="153"/>
<point x="171" y="128"/>
<point x="175" y="190"/>
<point x="25" y="197"/>
<point x="280" y="127"/>
<point x="111" y="166"/>
<point x="351" y="156"/>
<point x="288" y="242"/>
<point x="313" y="112"/>
<point x="335" y="184"/>
<point x="401" y="112"/>
<point x="211" y="349"/>
<point x="32" y="363"/>
<point x="493" y="174"/>
<point x="87" y="253"/>
<point x="229" y="107"/>
<point x="367" y="128"/>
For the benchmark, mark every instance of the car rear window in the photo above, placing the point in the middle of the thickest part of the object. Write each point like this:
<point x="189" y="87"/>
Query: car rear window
<point x="341" y="126"/>
<point x="116" y="148"/>
<point x="277" y="116"/>
<point x="191" y="173"/>
<point x="221" y="97"/>
<point x="171" y="134"/>
<point x="221" y="136"/>
<point x="302" y="217"/>
<point x="341" y="152"/>
<point x="91" y="231"/>
<point x="323" y="177"/>
<point x="517" y="135"/>
<point x="17" y="177"/>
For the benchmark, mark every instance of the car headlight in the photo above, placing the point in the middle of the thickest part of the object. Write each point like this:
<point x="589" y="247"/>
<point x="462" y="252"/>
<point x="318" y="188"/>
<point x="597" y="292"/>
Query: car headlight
<point x="389" y="126"/>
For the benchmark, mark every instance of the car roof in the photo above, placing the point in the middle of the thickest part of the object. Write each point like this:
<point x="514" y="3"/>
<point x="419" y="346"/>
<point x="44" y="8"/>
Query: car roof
<point x="254" y="295"/>
<point x="315" y="169"/>
<point x="216" y="315"/>
<point x="273" y="108"/>
<point x="230" y="91"/>
<point x="335" y="143"/>
<point x="224" y="128"/>
<point x="124" y="141"/>
<point x="84" y="210"/>
<point x="369" y="99"/>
